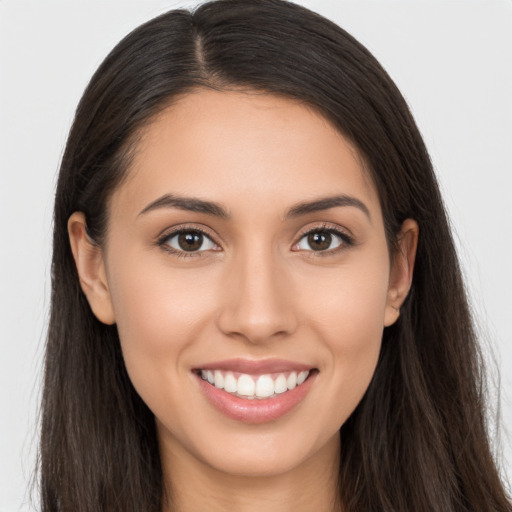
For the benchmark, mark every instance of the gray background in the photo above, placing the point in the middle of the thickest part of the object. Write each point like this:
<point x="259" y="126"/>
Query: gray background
<point x="451" y="59"/>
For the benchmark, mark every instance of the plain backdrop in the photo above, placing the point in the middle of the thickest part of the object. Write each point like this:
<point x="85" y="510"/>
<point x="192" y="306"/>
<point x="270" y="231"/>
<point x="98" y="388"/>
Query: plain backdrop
<point x="451" y="59"/>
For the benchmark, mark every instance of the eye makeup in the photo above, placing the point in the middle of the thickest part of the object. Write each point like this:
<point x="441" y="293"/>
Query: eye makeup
<point x="192" y="241"/>
<point x="189" y="236"/>
<point x="320" y="235"/>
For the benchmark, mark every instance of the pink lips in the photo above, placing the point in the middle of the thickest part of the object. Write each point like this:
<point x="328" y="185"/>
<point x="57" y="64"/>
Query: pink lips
<point x="256" y="367"/>
<point x="257" y="410"/>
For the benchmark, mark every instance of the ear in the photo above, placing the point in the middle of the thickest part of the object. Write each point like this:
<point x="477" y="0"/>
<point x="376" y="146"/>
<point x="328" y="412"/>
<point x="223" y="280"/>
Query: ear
<point x="91" y="269"/>
<point x="402" y="268"/>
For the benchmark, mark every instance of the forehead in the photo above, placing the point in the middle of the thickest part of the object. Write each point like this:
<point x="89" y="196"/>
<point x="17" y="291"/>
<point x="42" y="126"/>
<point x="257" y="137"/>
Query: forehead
<point x="245" y="150"/>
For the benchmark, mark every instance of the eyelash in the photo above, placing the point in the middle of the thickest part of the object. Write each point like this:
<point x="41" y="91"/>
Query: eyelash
<point x="164" y="239"/>
<point x="346" y="241"/>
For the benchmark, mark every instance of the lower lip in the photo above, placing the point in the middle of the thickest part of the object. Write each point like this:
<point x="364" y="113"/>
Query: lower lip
<point x="256" y="410"/>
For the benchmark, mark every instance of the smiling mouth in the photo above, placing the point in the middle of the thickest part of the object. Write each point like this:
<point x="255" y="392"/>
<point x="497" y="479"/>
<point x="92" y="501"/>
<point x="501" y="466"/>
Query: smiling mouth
<point x="251" y="387"/>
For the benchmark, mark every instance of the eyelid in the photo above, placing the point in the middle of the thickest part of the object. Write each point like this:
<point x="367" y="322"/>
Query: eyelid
<point x="345" y="235"/>
<point x="169" y="233"/>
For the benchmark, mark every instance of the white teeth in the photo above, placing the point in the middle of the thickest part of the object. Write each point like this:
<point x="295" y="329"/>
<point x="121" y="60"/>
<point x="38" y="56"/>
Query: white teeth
<point x="301" y="377"/>
<point x="219" y="379"/>
<point x="291" y="381"/>
<point x="246" y="386"/>
<point x="264" y="386"/>
<point x="280" y="385"/>
<point x="230" y="384"/>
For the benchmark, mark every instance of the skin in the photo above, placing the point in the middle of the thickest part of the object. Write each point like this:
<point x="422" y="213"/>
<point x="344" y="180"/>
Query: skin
<point x="257" y="291"/>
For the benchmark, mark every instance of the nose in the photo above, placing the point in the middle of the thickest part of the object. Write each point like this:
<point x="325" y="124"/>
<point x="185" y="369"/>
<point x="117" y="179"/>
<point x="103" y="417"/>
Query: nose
<point x="258" y="301"/>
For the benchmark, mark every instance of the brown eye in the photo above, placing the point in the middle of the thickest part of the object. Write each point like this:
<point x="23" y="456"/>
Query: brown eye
<point x="189" y="241"/>
<point x="320" y="240"/>
<point x="323" y="240"/>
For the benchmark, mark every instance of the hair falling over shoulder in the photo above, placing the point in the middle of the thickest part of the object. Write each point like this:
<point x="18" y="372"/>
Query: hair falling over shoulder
<point x="418" y="441"/>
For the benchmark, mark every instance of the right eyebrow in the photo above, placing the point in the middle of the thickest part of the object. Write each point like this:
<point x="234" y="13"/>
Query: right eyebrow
<point x="325" y="203"/>
<point x="190" y="204"/>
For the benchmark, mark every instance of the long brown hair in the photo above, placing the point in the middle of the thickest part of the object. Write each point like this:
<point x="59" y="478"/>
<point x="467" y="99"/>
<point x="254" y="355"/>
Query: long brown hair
<point x="418" y="440"/>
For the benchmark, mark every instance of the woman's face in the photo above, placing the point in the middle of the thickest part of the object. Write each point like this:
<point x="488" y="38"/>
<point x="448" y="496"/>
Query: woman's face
<point x="247" y="242"/>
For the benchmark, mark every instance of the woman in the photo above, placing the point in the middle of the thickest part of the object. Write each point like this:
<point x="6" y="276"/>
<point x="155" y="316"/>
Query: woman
<point x="256" y="300"/>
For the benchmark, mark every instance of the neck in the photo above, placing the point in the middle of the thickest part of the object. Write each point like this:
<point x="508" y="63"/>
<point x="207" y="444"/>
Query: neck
<point x="193" y="485"/>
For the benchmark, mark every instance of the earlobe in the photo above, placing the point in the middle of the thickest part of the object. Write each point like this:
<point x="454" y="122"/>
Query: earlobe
<point x="401" y="270"/>
<point x="90" y="266"/>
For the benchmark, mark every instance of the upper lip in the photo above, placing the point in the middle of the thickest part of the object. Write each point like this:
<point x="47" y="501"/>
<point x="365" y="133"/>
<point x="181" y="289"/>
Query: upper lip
<point x="251" y="366"/>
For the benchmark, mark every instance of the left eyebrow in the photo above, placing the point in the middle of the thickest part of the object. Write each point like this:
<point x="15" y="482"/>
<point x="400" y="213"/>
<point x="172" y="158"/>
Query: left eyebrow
<point x="325" y="203"/>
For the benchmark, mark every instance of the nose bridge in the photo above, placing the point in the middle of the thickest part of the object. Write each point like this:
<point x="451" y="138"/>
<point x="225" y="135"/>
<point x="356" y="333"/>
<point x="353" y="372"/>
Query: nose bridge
<point x="258" y="304"/>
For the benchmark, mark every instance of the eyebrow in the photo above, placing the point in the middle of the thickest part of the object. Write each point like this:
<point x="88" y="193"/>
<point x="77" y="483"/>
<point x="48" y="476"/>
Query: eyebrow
<point x="194" y="204"/>
<point x="190" y="204"/>
<point x="325" y="203"/>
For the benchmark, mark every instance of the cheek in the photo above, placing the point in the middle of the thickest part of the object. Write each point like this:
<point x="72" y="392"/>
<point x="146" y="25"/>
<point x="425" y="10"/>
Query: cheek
<point x="349" y="306"/>
<point x="159" y="313"/>
<point x="349" y="317"/>
<point x="157" y="301"/>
